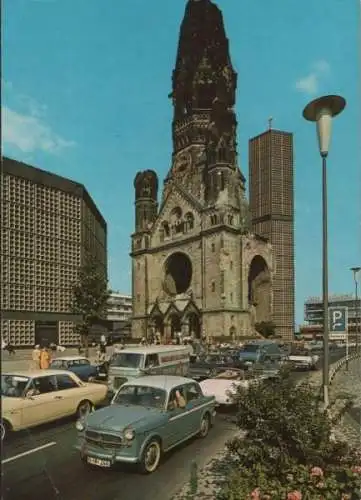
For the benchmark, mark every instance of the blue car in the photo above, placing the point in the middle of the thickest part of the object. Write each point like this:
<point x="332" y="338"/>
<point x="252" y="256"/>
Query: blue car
<point x="147" y="417"/>
<point x="261" y="351"/>
<point x="77" y="364"/>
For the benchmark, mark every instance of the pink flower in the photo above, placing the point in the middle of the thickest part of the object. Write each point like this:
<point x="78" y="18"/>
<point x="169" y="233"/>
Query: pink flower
<point x="356" y="469"/>
<point x="256" y="494"/>
<point x="316" y="472"/>
<point x="294" y="495"/>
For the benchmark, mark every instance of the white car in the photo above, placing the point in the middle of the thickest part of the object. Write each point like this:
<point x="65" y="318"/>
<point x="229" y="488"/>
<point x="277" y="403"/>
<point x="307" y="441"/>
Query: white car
<point x="31" y="398"/>
<point x="304" y="361"/>
<point x="224" y="386"/>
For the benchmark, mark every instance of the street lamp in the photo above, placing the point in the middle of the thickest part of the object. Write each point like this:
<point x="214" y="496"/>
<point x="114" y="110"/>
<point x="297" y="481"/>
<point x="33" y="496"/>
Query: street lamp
<point x="355" y="271"/>
<point x="321" y="111"/>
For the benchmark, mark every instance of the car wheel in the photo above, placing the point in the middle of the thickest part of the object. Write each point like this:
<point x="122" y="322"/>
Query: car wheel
<point x="151" y="457"/>
<point x="205" y="425"/>
<point x="84" y="408"/>
<point x="5" y="430"/>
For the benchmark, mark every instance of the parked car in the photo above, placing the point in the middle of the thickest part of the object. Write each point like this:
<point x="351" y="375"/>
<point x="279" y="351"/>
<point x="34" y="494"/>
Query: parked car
<point x="31" y="398"/>
<point x="225" y="384"/>
<point x="303" y="359"/>
<point x="208" y="365"/>
<point x="147" y="417"/>
<point x="79" y="365"/>
<point x="260" y="351"/>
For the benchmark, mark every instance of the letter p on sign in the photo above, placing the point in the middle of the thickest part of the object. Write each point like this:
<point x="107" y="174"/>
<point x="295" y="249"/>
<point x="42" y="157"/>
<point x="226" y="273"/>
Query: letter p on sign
<point x="338" y="319"/>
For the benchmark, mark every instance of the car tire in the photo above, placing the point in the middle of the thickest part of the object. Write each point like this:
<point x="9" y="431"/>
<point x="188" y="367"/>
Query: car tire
<point x="151" y="457"/>
<point x="205" y="426"/>
<point x="85" y="407"/>
<point x="5" y="430"/>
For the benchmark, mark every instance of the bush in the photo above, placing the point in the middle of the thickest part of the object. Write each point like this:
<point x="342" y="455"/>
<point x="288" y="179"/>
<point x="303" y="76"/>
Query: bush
<point x="288" y="446"/>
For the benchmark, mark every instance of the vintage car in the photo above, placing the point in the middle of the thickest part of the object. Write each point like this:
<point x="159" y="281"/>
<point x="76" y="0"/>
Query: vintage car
<point x="79" y="365"/>
<point x="303" y="360"/>
<point x="31" y="398"/>
<point x="224" y="385"/>
<point x="147" y="417"/>
<point x="208" y="365"/>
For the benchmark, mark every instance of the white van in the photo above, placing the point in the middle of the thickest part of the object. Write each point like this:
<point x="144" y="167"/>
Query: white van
<point x="139" y="361"/>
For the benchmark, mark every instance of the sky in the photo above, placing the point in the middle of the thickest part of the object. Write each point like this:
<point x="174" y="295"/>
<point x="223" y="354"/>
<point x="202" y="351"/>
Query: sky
<point x="85" y="95"/>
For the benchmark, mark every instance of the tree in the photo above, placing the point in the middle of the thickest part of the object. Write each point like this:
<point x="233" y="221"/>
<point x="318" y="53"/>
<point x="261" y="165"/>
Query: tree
<point x="288" y="445"/>
<point x="266" y="328"/>
<point x="90" y="298"/>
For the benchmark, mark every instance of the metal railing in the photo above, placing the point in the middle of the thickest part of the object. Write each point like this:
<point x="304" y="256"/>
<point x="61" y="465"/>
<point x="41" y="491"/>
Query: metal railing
<point x="340" y="363"/>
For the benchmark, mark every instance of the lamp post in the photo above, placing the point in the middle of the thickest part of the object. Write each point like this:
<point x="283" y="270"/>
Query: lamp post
<point x="355" y="271"/>
<point x="321" y="111"/>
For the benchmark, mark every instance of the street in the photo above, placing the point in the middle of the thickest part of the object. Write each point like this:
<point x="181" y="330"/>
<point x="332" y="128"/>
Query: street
<point x="44" y="460"/>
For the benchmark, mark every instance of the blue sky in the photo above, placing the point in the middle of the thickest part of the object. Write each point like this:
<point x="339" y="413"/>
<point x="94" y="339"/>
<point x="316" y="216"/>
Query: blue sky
<point x="85" y="85"/>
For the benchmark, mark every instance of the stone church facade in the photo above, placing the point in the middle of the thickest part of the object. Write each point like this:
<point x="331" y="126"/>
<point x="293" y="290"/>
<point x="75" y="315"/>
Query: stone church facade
<point x="196" y="267"/>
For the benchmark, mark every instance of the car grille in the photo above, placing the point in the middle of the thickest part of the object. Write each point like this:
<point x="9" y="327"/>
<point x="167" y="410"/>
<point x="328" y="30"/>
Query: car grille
<point x="119" y="381"/>
<point x="103" y="440"/>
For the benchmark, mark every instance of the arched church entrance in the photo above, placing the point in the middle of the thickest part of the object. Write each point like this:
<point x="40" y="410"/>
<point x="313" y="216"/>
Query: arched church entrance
<point x="259" y="289"/>
<point x="194" y="325"/>
<point x="175" y="325"/>
<point x="159" y="325"/>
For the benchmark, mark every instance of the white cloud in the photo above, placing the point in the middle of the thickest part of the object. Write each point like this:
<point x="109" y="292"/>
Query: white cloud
<point x="29" y="132"/>
<point x="309" y="84"/>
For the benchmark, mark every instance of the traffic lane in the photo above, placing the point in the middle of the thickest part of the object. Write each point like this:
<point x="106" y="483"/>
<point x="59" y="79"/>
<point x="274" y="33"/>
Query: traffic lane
<point x="56" y="470"/>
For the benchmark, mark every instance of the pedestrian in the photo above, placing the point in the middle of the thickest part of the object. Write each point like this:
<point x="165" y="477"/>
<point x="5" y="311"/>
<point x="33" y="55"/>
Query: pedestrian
<point x="35" y="358"/>
<point x="103" y="340"/>
<point x="44" y="358"/>
<point x="10" y="349"/>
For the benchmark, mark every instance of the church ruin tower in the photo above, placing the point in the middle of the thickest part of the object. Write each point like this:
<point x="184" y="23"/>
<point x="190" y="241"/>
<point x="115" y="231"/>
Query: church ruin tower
<point x="204" y="122"/>
<point x="146" y="203"/>
<point x="196" y="268"/>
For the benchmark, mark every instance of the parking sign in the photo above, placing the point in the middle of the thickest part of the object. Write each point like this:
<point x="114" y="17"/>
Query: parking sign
<point x="337" y="319"/>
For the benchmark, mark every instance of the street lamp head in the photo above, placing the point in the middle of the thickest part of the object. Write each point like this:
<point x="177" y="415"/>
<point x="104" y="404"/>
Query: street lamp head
<point x="355" y="270"/>
<point x="321" y="111"/>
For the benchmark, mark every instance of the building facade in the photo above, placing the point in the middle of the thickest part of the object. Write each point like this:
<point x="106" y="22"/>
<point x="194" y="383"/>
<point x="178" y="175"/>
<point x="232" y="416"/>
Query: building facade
<point x="196" y="266"/>
<point x="119" y="314"/>
<point x="313" y="315"/>
<point x="271" y="189"/>
<point x="49" y="225"/>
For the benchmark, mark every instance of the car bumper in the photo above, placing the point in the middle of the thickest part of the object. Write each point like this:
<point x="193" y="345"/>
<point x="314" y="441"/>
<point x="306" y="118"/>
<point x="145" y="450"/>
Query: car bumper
<point x="112" y="456"/>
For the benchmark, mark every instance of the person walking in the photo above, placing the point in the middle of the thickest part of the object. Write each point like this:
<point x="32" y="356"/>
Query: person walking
<point x="44" y="358"/>
<point x="35" y="358"/>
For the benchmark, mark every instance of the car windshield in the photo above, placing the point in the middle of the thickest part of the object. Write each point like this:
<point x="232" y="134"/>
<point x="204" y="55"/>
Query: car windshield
<point x="126" y="360"/>
<point x="141" y="396"/>
<point x="13" y="386"/>
<point x="250" y="348"/>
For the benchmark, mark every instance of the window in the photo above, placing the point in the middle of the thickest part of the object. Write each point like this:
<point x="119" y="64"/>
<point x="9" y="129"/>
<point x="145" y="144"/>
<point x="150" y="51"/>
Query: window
<point x="177" y="398"/>
<point x="43" y="385"/>
<point x="213" y="247"/>
<point x="151" y="361"/>
<point x="58" y="364"/>
<point x="231" y="296"/>
<point x="213" y="286"/>
<point x="231" y="265"/>
<point x="65" y="382"/>
<point x="193" y="391"/>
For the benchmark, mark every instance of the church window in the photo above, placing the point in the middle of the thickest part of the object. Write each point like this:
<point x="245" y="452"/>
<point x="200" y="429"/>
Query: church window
<point x="231" y="265"/>
<point x="189" y="221"/>
<point x="165" y="228"/>
<point x="230" y="220"/>
<point x="138" y="297"/>
<point x="213" y="247"/>
<point x="138" y="265"/>
<point x="213" y="220"/>
<point x="231" y="296"/>
<point x="213" y="286"/>
<point x="222" y="181"/>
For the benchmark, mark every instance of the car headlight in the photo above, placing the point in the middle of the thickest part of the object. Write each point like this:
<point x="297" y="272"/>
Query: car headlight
<point x="80" y="425"/>
<point x="129" y="434"/>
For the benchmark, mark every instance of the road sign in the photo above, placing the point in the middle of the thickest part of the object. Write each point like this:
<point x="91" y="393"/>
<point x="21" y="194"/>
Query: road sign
<point x="338" y="319"/>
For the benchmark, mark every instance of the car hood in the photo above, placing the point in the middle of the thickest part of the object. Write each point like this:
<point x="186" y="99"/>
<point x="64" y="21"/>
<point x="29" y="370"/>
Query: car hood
<point x="118" y="417"/>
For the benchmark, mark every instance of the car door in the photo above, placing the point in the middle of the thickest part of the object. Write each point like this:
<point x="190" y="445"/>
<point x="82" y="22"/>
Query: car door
<point x="178" y="425"/>
<point x="69" y="395"/>
<point x="194" y="398"/>
<point x="41" y="401"/>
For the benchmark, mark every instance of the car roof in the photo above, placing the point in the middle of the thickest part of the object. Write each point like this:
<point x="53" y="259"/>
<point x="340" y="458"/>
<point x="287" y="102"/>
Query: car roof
<point x="166" y="382"/>
<point x="69" y="358"/>
<point x="155" y="349"/>
<point x="35" y="373"/>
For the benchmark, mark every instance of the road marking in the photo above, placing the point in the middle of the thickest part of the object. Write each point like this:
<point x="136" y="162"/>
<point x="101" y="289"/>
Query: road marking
<point x="29" y="452"/>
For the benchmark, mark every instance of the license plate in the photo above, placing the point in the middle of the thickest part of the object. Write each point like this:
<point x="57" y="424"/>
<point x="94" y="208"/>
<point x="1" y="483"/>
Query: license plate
<point x="99" y="462"/>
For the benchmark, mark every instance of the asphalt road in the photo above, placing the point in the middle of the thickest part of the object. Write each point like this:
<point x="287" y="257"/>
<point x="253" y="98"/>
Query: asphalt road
<point x="43" y="462"/>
